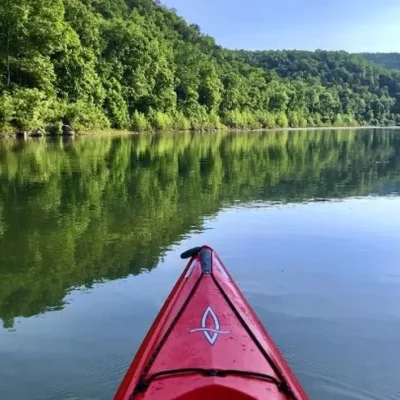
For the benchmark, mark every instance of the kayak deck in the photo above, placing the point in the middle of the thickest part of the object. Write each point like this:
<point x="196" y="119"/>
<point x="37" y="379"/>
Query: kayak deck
<point x="207" y="341"/>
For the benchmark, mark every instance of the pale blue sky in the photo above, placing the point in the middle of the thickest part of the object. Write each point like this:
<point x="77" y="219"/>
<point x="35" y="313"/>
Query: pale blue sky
<point x="352" y="25"/>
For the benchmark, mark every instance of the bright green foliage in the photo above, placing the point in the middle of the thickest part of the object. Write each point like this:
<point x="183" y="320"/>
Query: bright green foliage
<point x="83" y="114"/>
<point x="215" y="121"/>
<point x="161" y="121"/>
<point x="282" y="120"/>
<point x="140" y="122"/>
<point x="266" y="119"/>
<point x="181" y="123"/>
<point x="7" y="111"/>
<point x="30" y="107"/>
<point x="115" y="105"/>
<point x="136" y="64"/>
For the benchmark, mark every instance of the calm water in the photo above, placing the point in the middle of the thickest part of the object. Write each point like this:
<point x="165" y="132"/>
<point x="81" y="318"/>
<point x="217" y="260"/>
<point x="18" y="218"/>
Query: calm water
<point x="91" y="231"/>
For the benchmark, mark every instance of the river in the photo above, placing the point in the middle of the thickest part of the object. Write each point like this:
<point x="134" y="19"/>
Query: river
<point x="91" y="229"/>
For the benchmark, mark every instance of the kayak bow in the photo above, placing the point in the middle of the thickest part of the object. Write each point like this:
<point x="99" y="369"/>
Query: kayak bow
<point x="207" y="342"/>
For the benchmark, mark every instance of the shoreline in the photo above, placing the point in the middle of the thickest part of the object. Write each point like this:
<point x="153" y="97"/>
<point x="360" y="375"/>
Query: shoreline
<point x="116" y="132"/>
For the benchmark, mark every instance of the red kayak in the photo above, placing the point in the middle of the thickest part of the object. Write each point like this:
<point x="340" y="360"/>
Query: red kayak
<point x="207" y="343"/>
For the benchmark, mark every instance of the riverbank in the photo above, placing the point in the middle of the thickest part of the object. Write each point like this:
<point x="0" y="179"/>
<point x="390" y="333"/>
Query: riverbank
<point x="118" y="132"/>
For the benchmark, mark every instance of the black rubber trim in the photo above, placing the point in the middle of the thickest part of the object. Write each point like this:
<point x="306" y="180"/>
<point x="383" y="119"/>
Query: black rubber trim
<point x="190" y="253"/>
<point x="145" y="384"/>
<point x="206" y="261"/>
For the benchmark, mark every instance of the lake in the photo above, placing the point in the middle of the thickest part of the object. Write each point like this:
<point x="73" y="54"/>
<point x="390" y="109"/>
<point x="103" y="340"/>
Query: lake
<point x="308" y="223"/>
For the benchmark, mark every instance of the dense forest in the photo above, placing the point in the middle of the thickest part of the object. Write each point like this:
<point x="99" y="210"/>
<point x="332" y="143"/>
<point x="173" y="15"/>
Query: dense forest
<point x="389" y="60"/>
<point x="98" y="209"/>
<point x="335" y="87"/>
<point x="135" y="64"/>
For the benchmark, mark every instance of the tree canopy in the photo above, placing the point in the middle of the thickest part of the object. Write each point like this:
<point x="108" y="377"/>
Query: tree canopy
<point x="389" y="60"/>
<point x="135" y="64"/>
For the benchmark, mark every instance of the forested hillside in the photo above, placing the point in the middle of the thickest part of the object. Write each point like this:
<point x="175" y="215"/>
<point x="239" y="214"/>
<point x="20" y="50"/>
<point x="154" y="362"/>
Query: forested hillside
<point x="135" y="64"/>
<point x="342" y="84"/>
<point x="389" y="60"/>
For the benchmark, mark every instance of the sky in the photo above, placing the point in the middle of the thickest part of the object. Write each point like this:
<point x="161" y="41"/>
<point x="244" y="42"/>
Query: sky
<point x="351" y="25"/>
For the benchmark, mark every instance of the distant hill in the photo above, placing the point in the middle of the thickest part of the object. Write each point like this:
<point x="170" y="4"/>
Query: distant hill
<point x="388" y="60"/>
<point x="339" y="87"/>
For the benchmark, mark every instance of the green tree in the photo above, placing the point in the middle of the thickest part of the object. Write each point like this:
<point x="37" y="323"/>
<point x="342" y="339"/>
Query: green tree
<point x="113" y="58"/>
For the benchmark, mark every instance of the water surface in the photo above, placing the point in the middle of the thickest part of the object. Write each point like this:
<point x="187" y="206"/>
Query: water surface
<point x="91" y="230"/>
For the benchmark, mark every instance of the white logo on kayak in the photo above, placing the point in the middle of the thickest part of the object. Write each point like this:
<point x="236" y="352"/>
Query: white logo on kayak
<point x="211" y="334"/>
